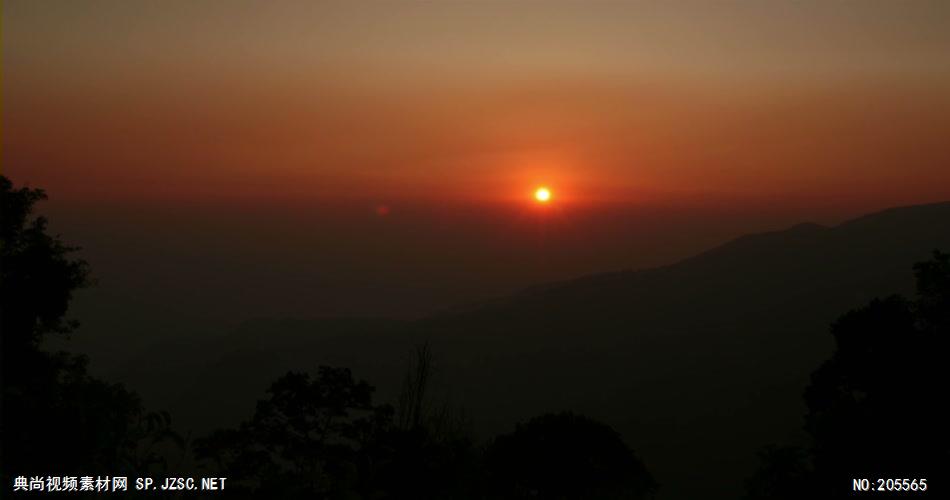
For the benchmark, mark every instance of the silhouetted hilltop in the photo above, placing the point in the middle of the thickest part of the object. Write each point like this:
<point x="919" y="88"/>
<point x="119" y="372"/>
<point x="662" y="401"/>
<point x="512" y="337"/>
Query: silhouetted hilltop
<point x="806" y="262"/>
<point x="697" y="363"/>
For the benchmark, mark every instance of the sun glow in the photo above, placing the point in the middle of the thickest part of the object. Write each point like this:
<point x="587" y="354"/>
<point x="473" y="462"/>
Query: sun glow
<point x="542" y="195"/>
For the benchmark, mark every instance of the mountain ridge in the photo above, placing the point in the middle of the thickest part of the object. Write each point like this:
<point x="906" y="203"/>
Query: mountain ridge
<point x="666" y="355"/>
<point x="802" y="228"/>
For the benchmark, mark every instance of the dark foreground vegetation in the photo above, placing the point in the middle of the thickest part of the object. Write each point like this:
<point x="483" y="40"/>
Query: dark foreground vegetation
<point x="875" y="409"/>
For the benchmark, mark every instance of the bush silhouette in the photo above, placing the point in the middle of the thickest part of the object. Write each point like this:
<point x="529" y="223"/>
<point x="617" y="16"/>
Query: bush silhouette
<point x="565" y="456"/>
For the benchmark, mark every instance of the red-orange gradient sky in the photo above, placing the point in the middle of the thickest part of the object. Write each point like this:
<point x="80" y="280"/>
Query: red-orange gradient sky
<point x="392" y="148"/>
<point x="605" y="102"/>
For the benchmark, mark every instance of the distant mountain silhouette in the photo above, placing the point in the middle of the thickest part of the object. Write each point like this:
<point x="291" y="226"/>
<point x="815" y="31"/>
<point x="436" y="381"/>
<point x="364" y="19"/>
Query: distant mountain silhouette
<point x="697" y="364"/>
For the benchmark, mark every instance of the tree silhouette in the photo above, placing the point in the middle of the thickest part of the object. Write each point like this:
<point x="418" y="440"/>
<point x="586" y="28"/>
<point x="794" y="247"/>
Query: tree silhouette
<point x="307" y="440"/>
<point x="565" y="456"/>
<point x="874" y="409"/>
<point x="428" y="452"/>
<point x="39" y="276"/>
<point x="877" y="408"/>
<point x="323" y="437"/>
<point x="412" y="406"/>
<point x="55" y="417"/>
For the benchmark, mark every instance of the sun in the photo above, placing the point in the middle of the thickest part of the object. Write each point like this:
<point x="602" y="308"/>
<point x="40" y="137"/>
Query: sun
<point x="542" y="194"/>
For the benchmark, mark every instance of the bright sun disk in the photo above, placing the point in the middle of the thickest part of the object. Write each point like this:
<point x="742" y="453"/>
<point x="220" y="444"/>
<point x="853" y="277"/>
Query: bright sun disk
<point x="542" y="194"/>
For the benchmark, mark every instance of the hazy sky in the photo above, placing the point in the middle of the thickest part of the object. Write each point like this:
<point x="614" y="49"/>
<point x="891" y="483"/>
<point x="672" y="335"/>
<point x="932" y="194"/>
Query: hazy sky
<point x="228" y="136"/>
<point x="450" y="99"/>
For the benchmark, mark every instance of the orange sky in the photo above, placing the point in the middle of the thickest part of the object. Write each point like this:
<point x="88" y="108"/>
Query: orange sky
<point x="607" y="103"/>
